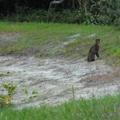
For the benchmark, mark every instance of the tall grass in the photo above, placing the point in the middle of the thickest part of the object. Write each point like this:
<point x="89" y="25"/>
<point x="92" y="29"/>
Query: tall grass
<point x="106" y="108"/>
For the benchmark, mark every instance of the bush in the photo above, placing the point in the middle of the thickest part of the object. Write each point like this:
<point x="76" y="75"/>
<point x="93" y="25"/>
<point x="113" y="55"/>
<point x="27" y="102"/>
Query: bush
<point x="89" y="12"/>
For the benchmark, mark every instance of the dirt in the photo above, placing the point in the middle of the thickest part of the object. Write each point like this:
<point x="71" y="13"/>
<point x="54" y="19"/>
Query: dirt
<point x="52" y="81"/>
<point x="9" y="37"/>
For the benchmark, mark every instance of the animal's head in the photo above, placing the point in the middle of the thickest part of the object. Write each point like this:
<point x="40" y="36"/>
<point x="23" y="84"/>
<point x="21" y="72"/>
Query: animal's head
<point x="98" y="41"/>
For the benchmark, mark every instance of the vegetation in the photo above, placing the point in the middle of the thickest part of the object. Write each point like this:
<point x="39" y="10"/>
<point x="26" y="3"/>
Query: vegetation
<point x="69" y="11"/>
<point x="5" y="99"/>
<point x="37" y="35"/>
<point x="106" y="108"/>
<point x="48" y="40"/>
<point x="28" y="29"/>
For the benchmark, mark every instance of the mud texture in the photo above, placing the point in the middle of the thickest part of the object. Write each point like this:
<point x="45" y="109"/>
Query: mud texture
<point x="54" y="81"/>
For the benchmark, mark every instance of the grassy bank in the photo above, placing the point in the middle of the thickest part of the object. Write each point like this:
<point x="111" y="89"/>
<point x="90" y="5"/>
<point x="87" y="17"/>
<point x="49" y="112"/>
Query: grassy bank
<point x="47" y="40"/>
<point x="62" y="40"/>
<point x="106" y="108"/>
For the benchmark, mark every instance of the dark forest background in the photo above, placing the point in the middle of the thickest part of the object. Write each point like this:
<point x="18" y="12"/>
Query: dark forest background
<point x="69" y="11"/>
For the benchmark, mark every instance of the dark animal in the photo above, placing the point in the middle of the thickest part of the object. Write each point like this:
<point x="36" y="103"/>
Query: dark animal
<point x="94" y="51"/>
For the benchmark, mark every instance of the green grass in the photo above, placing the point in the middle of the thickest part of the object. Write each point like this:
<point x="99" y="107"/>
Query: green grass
<point x="44" y="40"/>
<point x="106" y="108"/>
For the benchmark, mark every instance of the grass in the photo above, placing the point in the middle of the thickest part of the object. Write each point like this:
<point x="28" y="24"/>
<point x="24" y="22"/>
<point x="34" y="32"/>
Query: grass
<point x="106" y="108"/>
<point x="45" y="40"/>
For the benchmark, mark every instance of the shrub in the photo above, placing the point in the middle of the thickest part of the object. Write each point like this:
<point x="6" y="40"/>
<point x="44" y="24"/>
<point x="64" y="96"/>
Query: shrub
<point x="7" y="98"/>
<point x="88" y="12"/>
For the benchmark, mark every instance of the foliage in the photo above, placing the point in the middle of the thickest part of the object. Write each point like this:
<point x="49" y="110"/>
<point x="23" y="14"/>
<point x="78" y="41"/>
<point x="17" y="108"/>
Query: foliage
<point x="7" y="98"/>
<point x="10" y="88"/>
<point x="105" y="108"/>
<point x="85" y="11"/>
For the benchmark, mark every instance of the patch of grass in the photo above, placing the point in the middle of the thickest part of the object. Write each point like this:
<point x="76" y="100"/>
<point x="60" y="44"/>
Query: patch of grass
<point x="6" y="99"/>
<point x="4" y="74"/>
<point x="106" y="108"/>
<point x="47" y="40"/>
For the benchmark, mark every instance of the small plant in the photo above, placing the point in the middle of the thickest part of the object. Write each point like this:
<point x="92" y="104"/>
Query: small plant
<point x="6" y="99"/>
<point x="73" y="92"/>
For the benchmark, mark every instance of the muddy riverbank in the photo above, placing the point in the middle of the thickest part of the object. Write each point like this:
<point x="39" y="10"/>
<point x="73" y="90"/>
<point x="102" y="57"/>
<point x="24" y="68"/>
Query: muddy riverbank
<point x="51" y="81"/>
